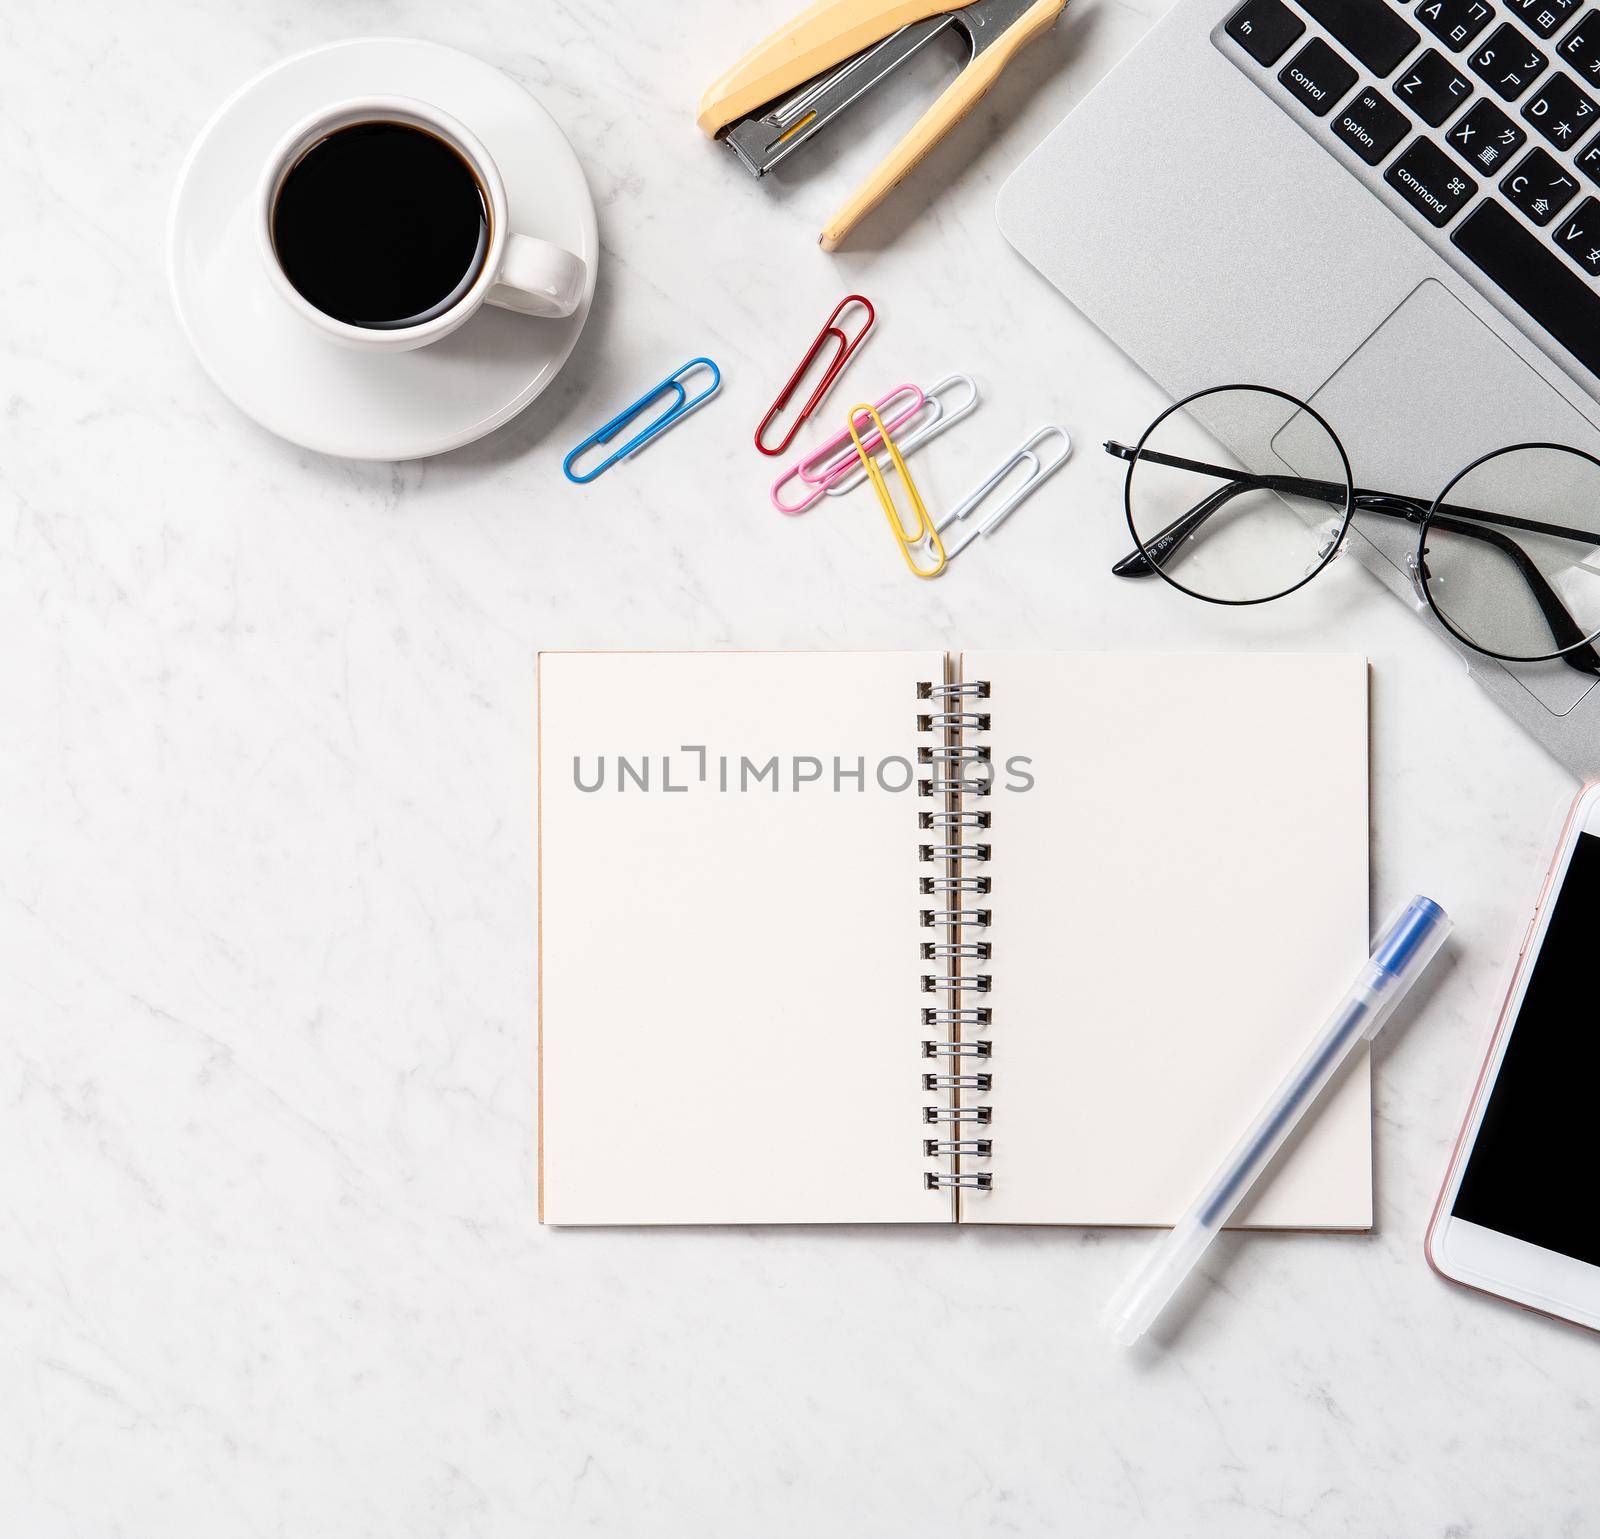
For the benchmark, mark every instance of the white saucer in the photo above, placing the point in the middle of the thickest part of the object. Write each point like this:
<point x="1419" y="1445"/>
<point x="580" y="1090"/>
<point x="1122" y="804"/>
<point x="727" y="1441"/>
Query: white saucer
<point x="377" y="406"/>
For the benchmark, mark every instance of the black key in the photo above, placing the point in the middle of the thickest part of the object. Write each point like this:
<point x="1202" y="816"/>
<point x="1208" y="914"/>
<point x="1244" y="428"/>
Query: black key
<point x="1485" y="137"/>
<point x="1560" y="111"/>
<point x="1430" y="182"/>
<point x="1579" y="236"/>
<point x="1507" y="61"/>
<point x="1534" y="277"/>
<point x="1581" y="46"/>
<point x="1432" y="87"/>
<point x="1370" y="126"/>
<point x="1318" y="76"/>
<point x="1540" y="186"/>
<point x="1589" y="160"/>
<point x="1264" y="29"/>
<point x="1454" y="22"/>
<point x="1368" y="28"/>
<point x="1543" y="16"/>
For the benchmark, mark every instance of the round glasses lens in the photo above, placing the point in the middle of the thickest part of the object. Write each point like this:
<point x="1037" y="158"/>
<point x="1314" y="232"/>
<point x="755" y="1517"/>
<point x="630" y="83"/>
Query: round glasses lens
<point x="1510" y="554"/>
<point x="1238" y="495"/>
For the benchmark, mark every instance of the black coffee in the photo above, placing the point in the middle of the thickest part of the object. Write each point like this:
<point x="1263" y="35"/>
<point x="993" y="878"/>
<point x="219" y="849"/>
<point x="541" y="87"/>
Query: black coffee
<point x="381" y="225"/>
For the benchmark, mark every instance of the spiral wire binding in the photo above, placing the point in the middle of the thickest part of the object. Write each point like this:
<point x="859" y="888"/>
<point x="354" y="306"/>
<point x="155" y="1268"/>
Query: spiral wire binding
<point x="954" y="711"/>
<point x="952" y="820"/>
<point x="944" y="786"/>
<point x="958" y="753"/>
<point x="960" y="916"/>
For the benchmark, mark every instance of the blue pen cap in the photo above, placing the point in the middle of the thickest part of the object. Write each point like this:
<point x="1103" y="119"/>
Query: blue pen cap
<point x="1412" y="938"/>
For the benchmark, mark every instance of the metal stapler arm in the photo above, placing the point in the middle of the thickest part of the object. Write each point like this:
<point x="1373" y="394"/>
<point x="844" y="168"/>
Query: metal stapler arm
<point x="958" y="98"/>
<point x="824" y="34"/>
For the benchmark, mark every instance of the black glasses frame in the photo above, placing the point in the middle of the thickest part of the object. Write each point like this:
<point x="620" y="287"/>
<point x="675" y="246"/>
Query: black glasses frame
<point x="1574" y="643"/>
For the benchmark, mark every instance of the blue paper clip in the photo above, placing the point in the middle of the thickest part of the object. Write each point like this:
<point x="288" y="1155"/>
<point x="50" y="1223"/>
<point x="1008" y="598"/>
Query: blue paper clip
<point x="682" y="404"/>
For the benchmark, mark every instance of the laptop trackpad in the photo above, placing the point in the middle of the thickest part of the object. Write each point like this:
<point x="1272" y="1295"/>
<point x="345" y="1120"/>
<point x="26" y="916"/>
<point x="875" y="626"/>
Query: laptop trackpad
<point x="1427" y="393"/>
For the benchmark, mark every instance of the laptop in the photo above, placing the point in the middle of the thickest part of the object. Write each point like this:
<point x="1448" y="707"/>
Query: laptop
<point x="1390" y="211"/>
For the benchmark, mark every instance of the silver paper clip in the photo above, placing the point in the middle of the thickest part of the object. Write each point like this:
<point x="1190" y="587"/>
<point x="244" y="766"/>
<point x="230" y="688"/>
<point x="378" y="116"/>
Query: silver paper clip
<point x="682" y="403"/>
<point x="938" y="416"/>
<point x="1038" y="473"/>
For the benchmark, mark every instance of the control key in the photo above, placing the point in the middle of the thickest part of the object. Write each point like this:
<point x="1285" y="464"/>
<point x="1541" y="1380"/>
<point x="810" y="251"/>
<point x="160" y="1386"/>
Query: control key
<point x="1318" y="76"/>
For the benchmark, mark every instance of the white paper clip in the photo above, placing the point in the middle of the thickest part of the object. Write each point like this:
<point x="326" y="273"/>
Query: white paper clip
<point x="936" y="417"/>
<point x="1039" y="472"/>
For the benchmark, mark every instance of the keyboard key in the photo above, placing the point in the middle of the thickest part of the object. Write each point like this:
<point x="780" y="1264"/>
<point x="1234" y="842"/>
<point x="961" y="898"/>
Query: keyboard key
<point x="1430" y="182"/>
<point x="1485" y="137"/>
<point x="1264" y="29"/>
<point x="1543" y="16"/>
<point x="1507" y="62"/>
<point x="1581" y="46"/>
<point x="1540" y="186"/>
<point x="1370" y="126"/>
<point x="1368" y="28"/>
<point x="1454" y="22"/>
<point x="1432" y="87"/>
<point x="1579" y="236"/>
<point x="1560" y="111"/>
<point x="1318" y="76"/>
<point x="1534" y="278"/>
<point x="1589" y="160"/>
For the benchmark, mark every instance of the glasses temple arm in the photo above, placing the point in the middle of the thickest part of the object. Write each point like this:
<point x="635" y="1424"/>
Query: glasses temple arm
<point x="1568" y="635"/>
<point x="1142" y="563"/>
<point x="1391" y="504"/>
<point x="1527" y="525"/>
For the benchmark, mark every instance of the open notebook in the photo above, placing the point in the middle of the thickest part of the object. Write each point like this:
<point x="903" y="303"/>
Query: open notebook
<point x="746" y="859"/>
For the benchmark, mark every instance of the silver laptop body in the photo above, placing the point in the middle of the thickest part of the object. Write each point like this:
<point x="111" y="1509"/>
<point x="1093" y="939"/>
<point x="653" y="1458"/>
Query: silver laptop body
<point x="1217" y="216"/>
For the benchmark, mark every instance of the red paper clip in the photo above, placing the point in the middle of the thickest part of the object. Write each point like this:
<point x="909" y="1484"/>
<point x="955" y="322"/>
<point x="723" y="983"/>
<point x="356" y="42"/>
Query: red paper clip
<point x="846" y="348"/>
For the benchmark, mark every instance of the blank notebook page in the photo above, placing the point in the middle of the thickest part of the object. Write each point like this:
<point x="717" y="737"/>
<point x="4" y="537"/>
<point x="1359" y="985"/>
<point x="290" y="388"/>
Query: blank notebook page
<point x="1179" y="904"/>
<point x="729" y="979"/>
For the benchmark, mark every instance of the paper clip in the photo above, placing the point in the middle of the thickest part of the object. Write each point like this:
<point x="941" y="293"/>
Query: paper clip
<point x="845" y="346"/>
<point x="938" y="420"/>
<point x="1037" y="475"/>
<point x="924" y="533"/>
<point x="682" y="404"/>
<point x="819" y="469"/>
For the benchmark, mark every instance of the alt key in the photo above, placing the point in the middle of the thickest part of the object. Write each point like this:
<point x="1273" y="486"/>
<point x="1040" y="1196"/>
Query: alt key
<point x="1371" y="126"/>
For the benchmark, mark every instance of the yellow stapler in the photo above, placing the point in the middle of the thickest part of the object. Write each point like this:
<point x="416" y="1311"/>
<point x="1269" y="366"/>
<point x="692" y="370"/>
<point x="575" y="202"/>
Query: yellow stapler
<point x="805" y="74"/>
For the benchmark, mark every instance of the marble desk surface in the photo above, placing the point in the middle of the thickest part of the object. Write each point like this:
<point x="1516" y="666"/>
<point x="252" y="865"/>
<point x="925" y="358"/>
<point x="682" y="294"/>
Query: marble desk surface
<point x="270" y="1264"/>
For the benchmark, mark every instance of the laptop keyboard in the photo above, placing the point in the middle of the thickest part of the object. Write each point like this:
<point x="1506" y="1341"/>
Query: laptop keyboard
<point x="1481" y="116"/>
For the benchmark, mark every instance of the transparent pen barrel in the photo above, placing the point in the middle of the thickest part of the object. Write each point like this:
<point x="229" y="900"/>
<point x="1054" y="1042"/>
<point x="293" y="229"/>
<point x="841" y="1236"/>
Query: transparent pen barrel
<point x="1145" y="1295"/>
<point x="1358" y="1015"/>
<point x="1407" y="945"/>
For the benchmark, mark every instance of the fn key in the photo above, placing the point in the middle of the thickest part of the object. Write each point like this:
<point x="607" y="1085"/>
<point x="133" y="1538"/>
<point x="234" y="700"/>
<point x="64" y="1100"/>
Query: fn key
<point x="1264" y="29"/>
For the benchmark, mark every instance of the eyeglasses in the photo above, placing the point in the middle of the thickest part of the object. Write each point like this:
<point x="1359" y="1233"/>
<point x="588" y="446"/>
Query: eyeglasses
<point x="1255" y="520"/>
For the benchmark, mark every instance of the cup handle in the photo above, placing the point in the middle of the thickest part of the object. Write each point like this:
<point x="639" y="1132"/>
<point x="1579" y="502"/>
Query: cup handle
<point x="538" y="278"/>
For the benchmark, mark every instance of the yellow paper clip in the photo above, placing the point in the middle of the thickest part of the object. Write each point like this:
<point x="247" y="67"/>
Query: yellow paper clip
<point x="923" y="534"/>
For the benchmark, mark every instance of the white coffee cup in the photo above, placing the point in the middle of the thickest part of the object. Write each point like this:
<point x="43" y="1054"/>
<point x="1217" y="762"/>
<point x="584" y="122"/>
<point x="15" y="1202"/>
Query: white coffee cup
<point x="517" y="272"/>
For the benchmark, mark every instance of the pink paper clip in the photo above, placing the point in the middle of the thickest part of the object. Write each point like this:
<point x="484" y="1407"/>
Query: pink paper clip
<point x="838" y="457"/>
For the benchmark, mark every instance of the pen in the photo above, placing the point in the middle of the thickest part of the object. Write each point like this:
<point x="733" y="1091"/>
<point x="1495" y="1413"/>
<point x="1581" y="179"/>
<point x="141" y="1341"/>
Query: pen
<point x="1405" y="948"/>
